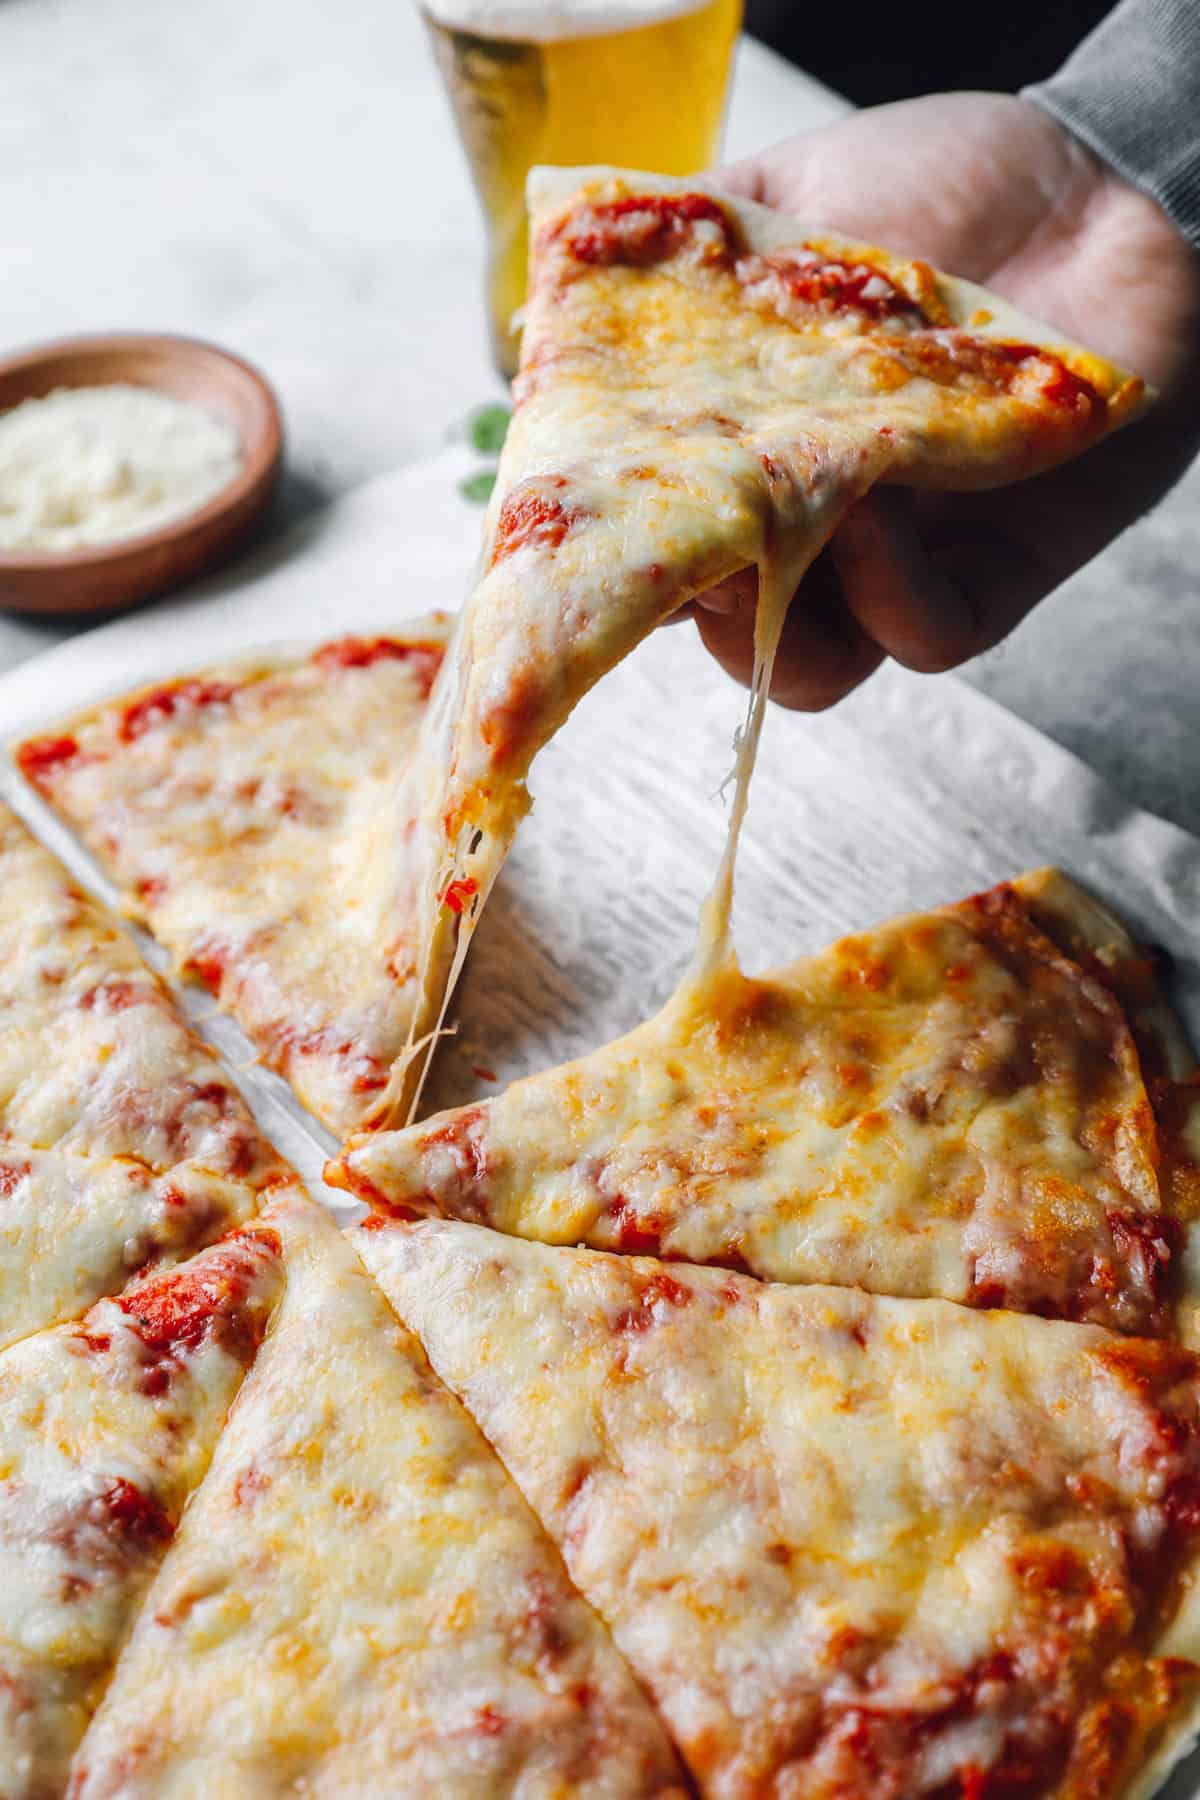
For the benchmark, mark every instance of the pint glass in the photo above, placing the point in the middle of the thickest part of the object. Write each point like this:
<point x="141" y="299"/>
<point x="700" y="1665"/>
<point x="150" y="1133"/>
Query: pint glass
<point x="628" y="82"/>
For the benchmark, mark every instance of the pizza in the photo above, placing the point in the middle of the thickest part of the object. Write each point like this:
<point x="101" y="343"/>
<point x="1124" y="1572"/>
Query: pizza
<point x="106" y="1426"/>
<point x="705" y="385"/>
<point x="852" y="1545"/>
<point x="949" y="1105"/>
<point x="249" y="815"/>
<point x="359" y="1601"/>
<point x="123" y="1141"/>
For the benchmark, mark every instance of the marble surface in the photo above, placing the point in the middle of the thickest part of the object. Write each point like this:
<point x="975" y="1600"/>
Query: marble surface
<point x="284" y="178"/>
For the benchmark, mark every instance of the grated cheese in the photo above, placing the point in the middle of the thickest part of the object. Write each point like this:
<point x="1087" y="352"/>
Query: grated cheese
<point x="94" y="465"/>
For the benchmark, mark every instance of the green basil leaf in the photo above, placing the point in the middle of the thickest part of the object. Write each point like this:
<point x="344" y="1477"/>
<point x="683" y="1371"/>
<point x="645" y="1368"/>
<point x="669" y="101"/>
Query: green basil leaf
<point x="488" y="429"/>
<point x="477" y="487"/>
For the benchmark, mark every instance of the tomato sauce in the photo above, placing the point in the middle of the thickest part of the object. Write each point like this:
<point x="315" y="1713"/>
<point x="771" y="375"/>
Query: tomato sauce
<point x="164" y="703"/>
<point x="40" y="756"/>
<point x="642" y="229"/>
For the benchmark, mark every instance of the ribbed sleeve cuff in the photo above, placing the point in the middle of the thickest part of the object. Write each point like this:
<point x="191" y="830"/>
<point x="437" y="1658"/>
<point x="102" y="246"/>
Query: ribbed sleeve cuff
<point x="1131" y="93"/>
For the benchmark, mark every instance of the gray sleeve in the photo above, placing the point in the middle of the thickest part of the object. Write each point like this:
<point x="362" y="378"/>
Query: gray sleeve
<point x="1131" y="92"/>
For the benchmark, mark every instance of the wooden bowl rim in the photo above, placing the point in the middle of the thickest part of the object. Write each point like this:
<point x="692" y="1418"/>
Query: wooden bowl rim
<point x="260" y="453"/>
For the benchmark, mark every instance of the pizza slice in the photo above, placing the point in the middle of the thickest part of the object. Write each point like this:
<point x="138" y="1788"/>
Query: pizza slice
<point x="123" y="1142"/>
<point x="948" y="1105"/>
<point x="705" y="385"/>
<point x="852" y="1545"/>
<point x="359" y="1601"/>
<point x="248" y="814"/>
<point x="106" y="1427"/>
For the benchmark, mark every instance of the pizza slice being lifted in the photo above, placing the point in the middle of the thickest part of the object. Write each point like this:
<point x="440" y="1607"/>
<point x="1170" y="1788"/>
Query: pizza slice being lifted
<point x="948" y="1105"/>
<point x="106" y="1427"/>
<point x="852" y="1545"/>
<point x="249" y="815"/>
<point x="705" y="385"/>
<point x="359" y="1601"/>
<point x="123" y="1142"/>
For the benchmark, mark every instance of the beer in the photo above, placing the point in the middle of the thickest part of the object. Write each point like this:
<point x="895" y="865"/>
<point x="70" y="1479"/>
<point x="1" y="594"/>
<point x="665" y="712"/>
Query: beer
<point x="575" y="81"/>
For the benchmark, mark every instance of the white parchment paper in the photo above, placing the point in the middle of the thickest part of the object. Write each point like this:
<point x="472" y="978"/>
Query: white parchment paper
<point x="915" y="791"/>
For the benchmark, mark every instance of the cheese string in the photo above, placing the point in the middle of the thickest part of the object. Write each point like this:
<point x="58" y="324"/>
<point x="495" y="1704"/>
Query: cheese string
<point x="714" y="950"/>
<point x="829" y="487"/>
<point x="789" y="554"/>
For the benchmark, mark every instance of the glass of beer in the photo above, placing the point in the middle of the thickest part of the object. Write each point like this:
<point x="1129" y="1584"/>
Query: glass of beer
<point x="630" y="82"/>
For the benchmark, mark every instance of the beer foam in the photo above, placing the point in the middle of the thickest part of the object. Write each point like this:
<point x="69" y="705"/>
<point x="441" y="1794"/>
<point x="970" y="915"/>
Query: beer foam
<point x="549" y="21"/>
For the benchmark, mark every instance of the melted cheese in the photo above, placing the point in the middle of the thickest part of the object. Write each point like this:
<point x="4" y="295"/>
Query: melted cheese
<point x="675" y="424"/>
<point x="359" y="1601"/>
<point x="250" y="816"/>
<point x="103" y="1435"/>
<point x="122" y="1140"/>
<point x="851" y="1545"/>
<point x="944" y="1106"/>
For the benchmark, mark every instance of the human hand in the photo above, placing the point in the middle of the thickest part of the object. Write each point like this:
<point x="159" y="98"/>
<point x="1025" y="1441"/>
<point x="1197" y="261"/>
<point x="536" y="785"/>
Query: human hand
<point x="991" y="188"/>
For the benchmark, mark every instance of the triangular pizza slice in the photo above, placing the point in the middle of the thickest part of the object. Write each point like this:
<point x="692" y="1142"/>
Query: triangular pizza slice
<point x="359" y="1601"/>
<point x="249" y="815"/>
<point x="123" y="1142"/>
<point x="948" y="1105"/>
<point x="852" y="1546"/>
<point x="106" y="1427"/>
<point x="705" y="385"/>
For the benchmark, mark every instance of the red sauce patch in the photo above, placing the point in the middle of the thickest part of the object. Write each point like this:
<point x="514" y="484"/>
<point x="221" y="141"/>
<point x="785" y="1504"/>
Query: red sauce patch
<point x="543" y="1626"/>
<point x="370" y="1079"/>
<point x="177" y="1311"/>
<point x="1182" y="1505"/>
<point x="151" y="889"/>
<point x="39" y="756"/>
<point x="830" y="286"/>
<point x="111" y="997"/>
<point x="875" y="1749"/>
<point x="139" y="1518"/>
<point x="505" y="727"/>
<point x="11" y="1177"/>
<point x="660" y="1289"/>
<point x="360" y="652"/>
<point x="463" y="1136"/>
<point x="954" y="358"/>
<point x="249" y="1485"/>
<point x="98" y="1342"/>
<point x="207" y="964"/>
<point x="155" y="708"/>
<point x="642" y="229"/>
<point x="489" y="1722"/>
<point x="211" y="1093"/>
<point x="367" y="1074"/>
<point x="1146" y="1242"/>
<point x="631" y="1235"/>
<point x="530" y="517"/>
<point x="456" y="894"/>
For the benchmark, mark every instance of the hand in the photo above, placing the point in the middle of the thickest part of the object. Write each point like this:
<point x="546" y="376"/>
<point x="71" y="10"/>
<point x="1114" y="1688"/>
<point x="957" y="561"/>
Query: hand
<point x="988" y="187"/>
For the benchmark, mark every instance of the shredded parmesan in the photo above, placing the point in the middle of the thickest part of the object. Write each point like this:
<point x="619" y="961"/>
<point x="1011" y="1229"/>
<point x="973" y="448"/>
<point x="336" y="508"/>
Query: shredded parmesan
<point x="97" y="464"/>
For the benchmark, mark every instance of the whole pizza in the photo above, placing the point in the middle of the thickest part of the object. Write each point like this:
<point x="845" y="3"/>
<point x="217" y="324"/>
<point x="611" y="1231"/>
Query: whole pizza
<point x="796" y="1399"/>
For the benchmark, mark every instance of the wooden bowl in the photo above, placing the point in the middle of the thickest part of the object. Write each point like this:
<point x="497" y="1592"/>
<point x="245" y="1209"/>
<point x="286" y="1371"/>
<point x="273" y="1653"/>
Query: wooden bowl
<point x="94" y="577"/>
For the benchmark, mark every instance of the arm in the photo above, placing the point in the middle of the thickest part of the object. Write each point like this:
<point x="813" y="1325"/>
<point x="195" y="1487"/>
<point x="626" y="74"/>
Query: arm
<point x="1131" y="93"/>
